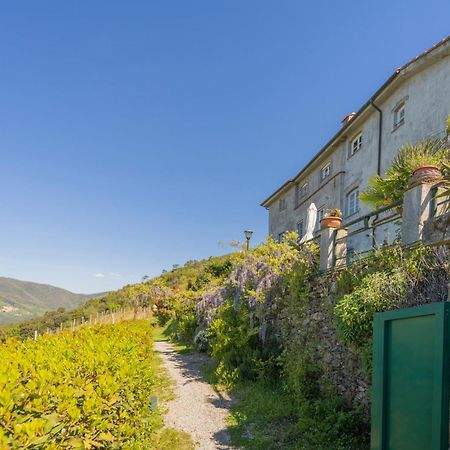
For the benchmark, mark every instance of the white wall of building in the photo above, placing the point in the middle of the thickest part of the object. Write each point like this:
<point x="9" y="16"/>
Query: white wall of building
<point x="424" y="88"/>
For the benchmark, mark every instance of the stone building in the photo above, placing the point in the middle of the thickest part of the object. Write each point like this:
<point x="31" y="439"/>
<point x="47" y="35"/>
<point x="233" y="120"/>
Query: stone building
<point x="412" y="105"/>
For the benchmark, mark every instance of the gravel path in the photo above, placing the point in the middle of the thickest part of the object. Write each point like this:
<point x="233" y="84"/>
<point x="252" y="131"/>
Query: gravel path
<point x="197" y="408"/>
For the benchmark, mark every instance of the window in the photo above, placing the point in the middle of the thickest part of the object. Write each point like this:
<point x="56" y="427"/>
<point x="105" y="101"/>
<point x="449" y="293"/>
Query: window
<point x="282" y="204"/>
<point x="353" y="202"/>
<point x="320" y="216"/>
<point x="303" y="190"/>
<point x="399" y="115"/>
<point x="356" y="144"/>
<point x="325" y="171"/>
<point x="300" y="229"/>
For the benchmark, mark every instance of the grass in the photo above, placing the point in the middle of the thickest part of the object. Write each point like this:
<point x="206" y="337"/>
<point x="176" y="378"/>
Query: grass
<point x="262" y="416"/>
<point x="165" y="333"/>
<point x="174" y="440"/>
<point x="160" y="333"/>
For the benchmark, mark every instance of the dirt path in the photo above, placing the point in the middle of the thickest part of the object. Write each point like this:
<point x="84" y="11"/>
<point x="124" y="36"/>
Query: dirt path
<point x="197" y="409"/>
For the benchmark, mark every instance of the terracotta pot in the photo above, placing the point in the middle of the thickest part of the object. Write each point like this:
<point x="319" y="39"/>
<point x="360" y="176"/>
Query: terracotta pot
<point x="425" y="174"/>
<point x="428" y="170"/>
<point x="330" y="222"/>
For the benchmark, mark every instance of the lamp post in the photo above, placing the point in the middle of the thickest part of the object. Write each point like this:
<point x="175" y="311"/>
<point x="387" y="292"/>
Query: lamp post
<point x="248" y="236"/>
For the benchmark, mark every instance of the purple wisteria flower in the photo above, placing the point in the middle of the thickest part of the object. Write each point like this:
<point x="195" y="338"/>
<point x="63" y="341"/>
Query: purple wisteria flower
<point x="253" y="282"/>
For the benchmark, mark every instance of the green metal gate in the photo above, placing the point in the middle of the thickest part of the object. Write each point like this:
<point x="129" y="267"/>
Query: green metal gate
<point x="410" y="382"/>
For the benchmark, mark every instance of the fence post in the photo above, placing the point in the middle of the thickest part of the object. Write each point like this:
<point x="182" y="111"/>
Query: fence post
<point x="417" y="208"/>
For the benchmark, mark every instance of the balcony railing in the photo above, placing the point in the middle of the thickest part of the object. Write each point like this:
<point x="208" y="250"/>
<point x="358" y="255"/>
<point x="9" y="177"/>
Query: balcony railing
<point x="369" y="224"/>
<point x="404" y="219"/>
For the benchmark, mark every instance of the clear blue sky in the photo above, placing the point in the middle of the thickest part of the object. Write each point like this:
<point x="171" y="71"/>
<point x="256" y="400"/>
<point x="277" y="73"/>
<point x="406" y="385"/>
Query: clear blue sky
<point x="138" y="134"/>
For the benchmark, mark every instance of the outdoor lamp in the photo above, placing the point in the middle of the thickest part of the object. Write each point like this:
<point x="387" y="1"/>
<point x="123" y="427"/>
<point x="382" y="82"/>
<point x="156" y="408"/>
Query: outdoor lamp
<point x="248" y="236"/>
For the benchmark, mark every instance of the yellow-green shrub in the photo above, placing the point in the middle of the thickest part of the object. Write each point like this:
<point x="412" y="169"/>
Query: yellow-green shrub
<point x="86" y="389"/>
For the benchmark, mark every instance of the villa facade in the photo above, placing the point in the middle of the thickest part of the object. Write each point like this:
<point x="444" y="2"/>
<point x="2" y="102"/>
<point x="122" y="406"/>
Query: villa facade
<point x="411" y="106"/>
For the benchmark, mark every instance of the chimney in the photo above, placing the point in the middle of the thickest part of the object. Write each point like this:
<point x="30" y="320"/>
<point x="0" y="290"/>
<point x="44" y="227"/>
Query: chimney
<point x="347" y="118"/>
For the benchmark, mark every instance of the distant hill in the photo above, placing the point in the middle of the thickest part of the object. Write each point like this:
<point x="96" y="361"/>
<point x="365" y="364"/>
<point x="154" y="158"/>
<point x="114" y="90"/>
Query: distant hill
<point x="21" y="300"/>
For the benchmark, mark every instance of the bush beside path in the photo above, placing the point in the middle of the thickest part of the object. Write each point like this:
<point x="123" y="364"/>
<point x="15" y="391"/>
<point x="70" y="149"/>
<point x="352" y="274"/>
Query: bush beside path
<point x="85" y="389"/>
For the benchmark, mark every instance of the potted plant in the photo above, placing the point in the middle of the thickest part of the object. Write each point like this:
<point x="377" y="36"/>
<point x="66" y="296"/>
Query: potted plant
<point x="425" y="168"/>
<point x="413" y="164"/>
<point x="332" y="219"/>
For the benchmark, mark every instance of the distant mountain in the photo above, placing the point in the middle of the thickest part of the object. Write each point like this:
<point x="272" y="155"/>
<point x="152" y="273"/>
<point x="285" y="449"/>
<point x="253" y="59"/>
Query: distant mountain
<point x="20" y="300"/>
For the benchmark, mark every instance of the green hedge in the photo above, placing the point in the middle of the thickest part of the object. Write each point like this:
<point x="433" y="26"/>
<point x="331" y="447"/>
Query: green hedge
<point x="87" y="389"/>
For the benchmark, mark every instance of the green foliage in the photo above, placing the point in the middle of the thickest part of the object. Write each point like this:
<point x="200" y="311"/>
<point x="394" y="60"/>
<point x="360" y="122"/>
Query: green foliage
<point x="412" y="261"/>
<point x="185" y="321"/>
<point x="237" y="349"/>
<point x="390" y="188"/>
<point x="220" y="269"/>
<point x="263" y="417"/>
<point x="283" y="403"/>
<point x="88" y="389"/>
<point x="265" y="334"/>
<point x="445" y="183"/>
<point x="196" y="275"/>
<point x="176" y="293"/>
<point x="330" y="423"/>
<point x="347" y="280"/>
<point x="379" y="291"/>
<point x="233" y="344"/>
<point x="276" y="329"/>
<point x="243" y="336"/>
<point x="333" y="212"/>
<point x="266" y="416"/>
<point x="320" y="418"/>
<point x="123" y="298"/>
<point x="377" y="284"/>
<point x="302" y="375"/>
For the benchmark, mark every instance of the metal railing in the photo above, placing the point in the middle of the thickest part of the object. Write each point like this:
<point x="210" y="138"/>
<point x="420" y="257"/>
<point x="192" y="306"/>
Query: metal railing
<point x="342" y="246"/>
<point x="370" y="222"/>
